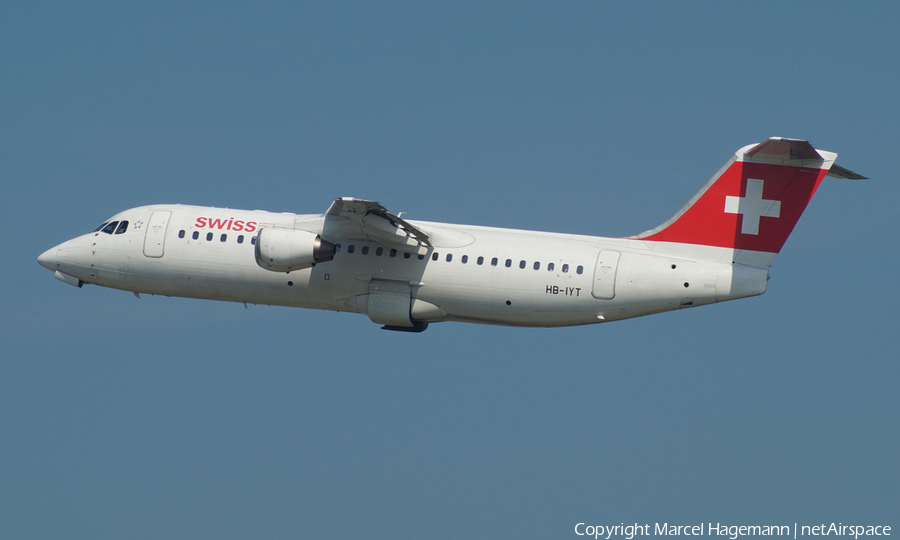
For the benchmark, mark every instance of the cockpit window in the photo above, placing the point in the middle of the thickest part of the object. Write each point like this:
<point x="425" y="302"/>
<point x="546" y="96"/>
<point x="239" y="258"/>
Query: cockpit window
<point x="110" y="227"/>
<point x="104" y="224"/>
<point x="123" y="226"/>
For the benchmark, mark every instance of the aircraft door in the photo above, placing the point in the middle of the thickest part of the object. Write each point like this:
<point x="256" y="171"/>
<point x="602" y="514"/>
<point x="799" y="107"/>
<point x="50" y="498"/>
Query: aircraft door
<point x="155" y="239"/>
<point x="604" y="287"/>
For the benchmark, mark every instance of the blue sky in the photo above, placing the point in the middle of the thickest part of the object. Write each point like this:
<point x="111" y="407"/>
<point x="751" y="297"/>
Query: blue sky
<point x="174" y="418"/>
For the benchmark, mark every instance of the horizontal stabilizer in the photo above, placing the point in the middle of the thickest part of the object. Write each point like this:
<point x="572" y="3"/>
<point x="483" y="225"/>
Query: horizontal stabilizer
<point x="784" y="148"/>
<point x="787" y="151"/>
<point x="839" y="172"/>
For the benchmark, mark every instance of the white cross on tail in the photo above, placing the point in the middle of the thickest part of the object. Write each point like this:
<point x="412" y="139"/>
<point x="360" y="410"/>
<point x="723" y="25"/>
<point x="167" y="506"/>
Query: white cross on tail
<point x="752" y="206"/>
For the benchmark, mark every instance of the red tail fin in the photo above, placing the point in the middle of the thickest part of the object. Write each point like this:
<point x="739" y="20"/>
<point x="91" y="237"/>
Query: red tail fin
<point x="754" y="201"/>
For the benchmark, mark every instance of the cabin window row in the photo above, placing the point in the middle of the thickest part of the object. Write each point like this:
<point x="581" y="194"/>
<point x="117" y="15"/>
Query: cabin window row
<point x="379" y="251"/>
<point x="364" y="250"/>
<point x="210" y="236"/>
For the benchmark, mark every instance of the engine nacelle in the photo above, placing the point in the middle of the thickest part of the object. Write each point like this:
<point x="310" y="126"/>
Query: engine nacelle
<point x="286" y="250"/>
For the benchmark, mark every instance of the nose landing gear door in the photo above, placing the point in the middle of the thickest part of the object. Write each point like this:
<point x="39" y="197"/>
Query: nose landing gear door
<point x="155" y="239"/>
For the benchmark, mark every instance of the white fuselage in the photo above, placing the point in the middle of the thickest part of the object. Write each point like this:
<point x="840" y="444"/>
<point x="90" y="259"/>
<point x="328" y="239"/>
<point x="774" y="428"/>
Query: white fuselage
<point x="472" y="274"/>
<point x="360" y="257"/>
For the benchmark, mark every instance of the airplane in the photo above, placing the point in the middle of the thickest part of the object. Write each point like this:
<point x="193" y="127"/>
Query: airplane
<point x="403" y="274"/>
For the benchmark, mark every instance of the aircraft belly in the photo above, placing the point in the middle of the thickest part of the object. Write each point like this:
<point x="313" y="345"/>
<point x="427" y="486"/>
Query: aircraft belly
<point x="527" y="301"/>
<point x="458" y="301"/>
<point x="193" y="277"/>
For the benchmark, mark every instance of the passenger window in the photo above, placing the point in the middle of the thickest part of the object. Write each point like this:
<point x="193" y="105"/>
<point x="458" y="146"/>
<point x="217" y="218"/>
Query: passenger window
<point x="393" y="252"/>
<point x="580" y="269"/>
<point x="209" y="236"/>
<point x="480" y="261"/>
<point x="550" y="267"/>
<point x="122" y="227"/>
<point x="252" y="240"/>
<point x="421" y="257"/>
<point x="351" y="248"/>
<point x="365" y="250"/>
<point x="449" y="257"/>
<point x="223" y="238"/>
<point x="337" y="248"/>
<point x="509" y="263"/>
<point x="521" y="264"/>
<point x="406" y="255"/>
<point x="181" y="233"/>
<point x="110" y="227"/>
<point x="434" y="256"/>
<point x="537" y="265"/>
<point x="379" y="251"/>
<point x="494" y="261"/>
<point x="240" y="239"/>
<point x="565" y="268"/>
<point x="196" y="235"/>
<point x="465" y="259"/>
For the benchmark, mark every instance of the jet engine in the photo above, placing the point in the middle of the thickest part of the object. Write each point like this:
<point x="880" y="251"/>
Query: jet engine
<point x="286" y="250"/>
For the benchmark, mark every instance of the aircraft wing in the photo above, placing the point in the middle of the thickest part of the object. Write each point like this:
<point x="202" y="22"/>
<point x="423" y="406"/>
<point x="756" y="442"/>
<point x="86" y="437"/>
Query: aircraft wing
<point x="371" y="220"/>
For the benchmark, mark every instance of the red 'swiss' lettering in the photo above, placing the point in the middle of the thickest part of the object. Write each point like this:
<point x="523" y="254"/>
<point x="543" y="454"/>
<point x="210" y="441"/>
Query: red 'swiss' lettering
<point x="229" y="224"/>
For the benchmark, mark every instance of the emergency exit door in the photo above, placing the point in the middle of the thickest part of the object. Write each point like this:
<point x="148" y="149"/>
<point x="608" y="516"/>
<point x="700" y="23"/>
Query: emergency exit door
<point x="605" y="275"/>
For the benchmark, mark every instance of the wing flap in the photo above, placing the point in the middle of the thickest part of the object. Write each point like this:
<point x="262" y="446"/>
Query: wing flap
<point x="378" y="224"/>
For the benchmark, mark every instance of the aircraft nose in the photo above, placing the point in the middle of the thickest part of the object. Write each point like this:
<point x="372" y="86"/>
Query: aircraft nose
<point x="47" y="259"/>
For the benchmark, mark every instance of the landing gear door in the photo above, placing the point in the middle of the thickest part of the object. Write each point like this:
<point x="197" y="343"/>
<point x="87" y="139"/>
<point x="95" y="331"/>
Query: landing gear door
<point x="155" y="239"/>
<point x="389" y="302"/>
<point x="605" y="275"/>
